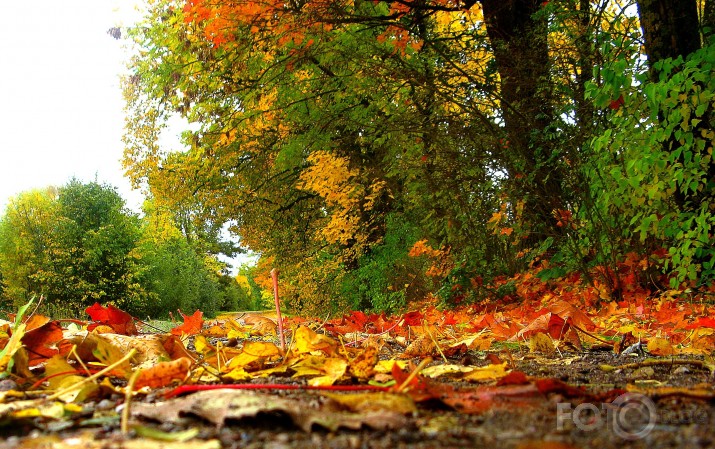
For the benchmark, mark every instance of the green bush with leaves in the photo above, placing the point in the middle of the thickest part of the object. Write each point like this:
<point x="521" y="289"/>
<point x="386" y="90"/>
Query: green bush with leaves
<point x="177" y="278"/>
<point x="72" y="245"/>
<point x="651" y="173"/>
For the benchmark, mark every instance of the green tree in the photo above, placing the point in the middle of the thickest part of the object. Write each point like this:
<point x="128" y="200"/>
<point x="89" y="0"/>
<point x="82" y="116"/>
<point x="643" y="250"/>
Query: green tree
<point x="177" y="278"/>
<point x="74" y="245"/>
<point x="27" y="233"/>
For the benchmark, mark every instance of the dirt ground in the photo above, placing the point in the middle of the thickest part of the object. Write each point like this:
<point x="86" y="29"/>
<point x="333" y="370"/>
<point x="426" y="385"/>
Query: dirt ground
<point x="665" y="419"/>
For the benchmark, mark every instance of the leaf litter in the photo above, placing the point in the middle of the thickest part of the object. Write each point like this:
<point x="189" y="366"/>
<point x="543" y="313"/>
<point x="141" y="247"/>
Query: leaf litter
<point x="426" y="378"/>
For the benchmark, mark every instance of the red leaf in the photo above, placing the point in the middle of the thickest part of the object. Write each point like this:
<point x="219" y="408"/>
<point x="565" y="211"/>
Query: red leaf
<point x="702" y="322"/>
<point x="120" y="322"/>
<point x="192" y="324"/>
<point x="513" y="378"/>
<point x="38" y="342"/>
<point x="616" y="104"/>
<point x="413" y="318"/>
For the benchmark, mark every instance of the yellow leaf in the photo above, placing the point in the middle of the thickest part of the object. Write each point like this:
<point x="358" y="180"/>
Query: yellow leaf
<point x="372" y="401"/>
<point x="254" y="351"/>
<point x="541" y="342"/>
<point x="441" y="370"/>
<point x="385" y="366"/>
<point x="327" y="369"/>
<point x="12" y="346"/>
<point x="307" y="341"/>
<point x="660" y="346"/>
<point x="489" y="372"/>
<point x="61" y="375"/>
<point x="477" y="342"/>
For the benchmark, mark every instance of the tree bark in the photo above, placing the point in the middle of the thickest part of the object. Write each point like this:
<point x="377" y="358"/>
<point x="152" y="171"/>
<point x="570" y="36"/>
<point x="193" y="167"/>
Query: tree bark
<point x="518" y="37"/>
<point x="669" y="29"/>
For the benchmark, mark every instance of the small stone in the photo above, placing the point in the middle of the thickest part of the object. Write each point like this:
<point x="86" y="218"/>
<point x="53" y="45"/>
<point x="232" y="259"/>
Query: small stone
<point x="106" y="404"/>
<point x="681" y="370"/>
<point x="643" y="373"/>
<point x="7" y="385"/>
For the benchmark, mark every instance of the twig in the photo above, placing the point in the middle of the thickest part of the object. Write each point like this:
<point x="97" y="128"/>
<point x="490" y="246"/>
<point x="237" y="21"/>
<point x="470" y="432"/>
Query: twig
<point x="281" y="335"/>
<point x="591" y="335"/>
<point x="434" y="340"/>
<point x="413" y="374"/>
<point x="92" y="377"/>
<point x="128" y="401"/>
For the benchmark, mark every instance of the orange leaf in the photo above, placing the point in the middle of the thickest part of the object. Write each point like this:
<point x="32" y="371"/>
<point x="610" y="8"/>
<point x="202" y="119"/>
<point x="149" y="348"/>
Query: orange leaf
<point x="192" y="324"/>
<point x="163" y="373"/>
<point x="566" y="311"/>
<point x="660" y="346"/>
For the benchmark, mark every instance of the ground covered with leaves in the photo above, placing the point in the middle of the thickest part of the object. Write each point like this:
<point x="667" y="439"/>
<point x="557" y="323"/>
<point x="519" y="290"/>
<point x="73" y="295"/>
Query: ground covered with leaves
<point x="564" y="370"/>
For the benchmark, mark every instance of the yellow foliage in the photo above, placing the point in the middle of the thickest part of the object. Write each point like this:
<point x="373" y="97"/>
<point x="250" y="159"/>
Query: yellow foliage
<point x="331" y="177"/>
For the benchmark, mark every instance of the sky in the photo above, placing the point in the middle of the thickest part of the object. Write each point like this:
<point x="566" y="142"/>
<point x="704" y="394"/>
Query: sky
<point x="61" y="106"/>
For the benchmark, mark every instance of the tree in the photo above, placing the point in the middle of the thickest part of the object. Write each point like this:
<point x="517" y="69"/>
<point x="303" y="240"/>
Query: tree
<point x="318" y="126"/>
<point x="27" y="233"/>
<point x="74" y="245"/>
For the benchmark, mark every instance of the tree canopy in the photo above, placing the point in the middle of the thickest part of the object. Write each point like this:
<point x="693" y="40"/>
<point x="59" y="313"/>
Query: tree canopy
<point x="376" y="152"/>
<point x="78" y="244"/>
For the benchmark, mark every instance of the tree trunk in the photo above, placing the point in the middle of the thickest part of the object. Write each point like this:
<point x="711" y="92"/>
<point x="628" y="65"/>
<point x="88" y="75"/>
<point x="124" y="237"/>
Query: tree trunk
<point x="519" y="41"/>
<point x="669" y="29"/>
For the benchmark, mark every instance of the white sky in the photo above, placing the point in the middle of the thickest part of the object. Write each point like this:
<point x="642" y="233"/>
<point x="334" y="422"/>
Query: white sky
<point x="61" y="107"/>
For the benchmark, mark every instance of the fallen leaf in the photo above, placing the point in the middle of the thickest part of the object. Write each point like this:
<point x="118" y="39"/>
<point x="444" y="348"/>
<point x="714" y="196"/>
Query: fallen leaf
<point x="218" y="406"/>
<point x="307" y="341"/>
<point x="191" y="326"/>
<point x="121" y="322"/>
<point x="163" y="374"/>
<point x="660" y="346"/>
<point x="540" y="342"/>
<point x="321" y="370"/>
<point x="489" y="372"/>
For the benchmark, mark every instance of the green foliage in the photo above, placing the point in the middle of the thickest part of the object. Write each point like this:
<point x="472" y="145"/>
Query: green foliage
<point x="78" y="245"/>
<point x="502" y="137"/>
<point x="387" y="278"/>
<point x="177" y="278"/>
<point x="652" y="166"/>
<point x="73" y="246"/>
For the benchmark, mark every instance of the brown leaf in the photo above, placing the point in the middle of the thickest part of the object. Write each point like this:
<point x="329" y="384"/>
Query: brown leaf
<point x="218" y="406"/>
<point x="420" y="347"/>
<point x="261" y="325"/>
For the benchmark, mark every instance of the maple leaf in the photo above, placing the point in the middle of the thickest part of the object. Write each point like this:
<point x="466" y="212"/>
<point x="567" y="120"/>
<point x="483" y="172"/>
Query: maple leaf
<point x="192" y="324"/>
<point x="703" y="321"/>
<point x="121" y="322"/>
<point x="566" y="310"/>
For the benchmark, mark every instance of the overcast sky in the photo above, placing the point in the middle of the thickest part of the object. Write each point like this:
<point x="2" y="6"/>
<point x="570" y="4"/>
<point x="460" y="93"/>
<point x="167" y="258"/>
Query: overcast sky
<point x="61" y="107"/>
